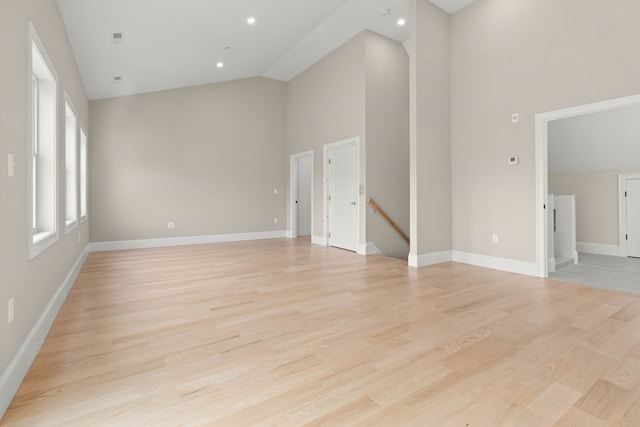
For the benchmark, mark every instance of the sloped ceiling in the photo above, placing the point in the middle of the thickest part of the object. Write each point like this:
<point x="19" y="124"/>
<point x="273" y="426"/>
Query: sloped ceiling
<point x="176" y="43"/>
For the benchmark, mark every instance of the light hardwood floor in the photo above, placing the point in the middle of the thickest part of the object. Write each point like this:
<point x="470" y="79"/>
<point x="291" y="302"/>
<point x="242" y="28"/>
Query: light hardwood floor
<point x="282" y="332"/>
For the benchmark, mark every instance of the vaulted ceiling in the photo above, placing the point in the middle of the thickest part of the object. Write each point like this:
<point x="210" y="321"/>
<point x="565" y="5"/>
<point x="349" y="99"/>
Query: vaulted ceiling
<point x="167" y="44"/>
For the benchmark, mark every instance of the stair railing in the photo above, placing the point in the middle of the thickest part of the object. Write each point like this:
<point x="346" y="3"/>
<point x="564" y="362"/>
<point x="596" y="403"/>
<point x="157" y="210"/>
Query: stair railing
<point x="384" y="216"/>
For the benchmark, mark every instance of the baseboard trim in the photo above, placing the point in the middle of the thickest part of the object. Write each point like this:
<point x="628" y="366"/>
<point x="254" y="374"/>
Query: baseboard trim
<point x="432" y="258"/>
<point x="496" y="263"/>
<point x="183" y="241"/>
<point x="19" y="366"/>
<point x="598" y="248"/>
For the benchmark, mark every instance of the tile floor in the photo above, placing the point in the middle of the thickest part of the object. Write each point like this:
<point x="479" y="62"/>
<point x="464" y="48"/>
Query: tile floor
<point x="602" y="271"/>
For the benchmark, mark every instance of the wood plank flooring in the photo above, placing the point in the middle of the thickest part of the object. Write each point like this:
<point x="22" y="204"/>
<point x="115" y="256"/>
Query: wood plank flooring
<point x="282" y="332"/>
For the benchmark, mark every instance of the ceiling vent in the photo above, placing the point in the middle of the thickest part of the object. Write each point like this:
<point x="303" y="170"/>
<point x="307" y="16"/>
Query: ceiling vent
<point x="117" y="38"/>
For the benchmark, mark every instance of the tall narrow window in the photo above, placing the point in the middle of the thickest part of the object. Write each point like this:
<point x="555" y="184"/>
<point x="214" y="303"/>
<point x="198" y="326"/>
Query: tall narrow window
<point x="83" y="174"/>
<point x="71" y="166"/>
<point x="42" y="98"/>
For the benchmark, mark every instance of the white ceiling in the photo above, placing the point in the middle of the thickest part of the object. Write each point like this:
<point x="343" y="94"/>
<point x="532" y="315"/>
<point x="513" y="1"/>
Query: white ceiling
<point x="609" y="140"/>
<point x="177" y="43"/>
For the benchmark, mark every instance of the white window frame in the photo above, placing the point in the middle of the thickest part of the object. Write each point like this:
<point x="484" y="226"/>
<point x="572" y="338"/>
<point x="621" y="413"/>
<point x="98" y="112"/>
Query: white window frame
<point x="42" y="106"/>
<point x="84" y="180"/>
<point x="70" y="165"/>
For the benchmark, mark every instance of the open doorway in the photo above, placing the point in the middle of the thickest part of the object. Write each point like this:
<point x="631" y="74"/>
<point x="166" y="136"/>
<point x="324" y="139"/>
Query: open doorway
<point x="301" y="192"/>
<point x="576" y="155"/>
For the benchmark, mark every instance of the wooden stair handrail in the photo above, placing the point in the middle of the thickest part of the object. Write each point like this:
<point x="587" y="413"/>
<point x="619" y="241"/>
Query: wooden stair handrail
<point x="384" y="216"/>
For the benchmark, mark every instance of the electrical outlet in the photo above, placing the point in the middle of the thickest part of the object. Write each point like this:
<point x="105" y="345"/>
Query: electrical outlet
<point x="171" y="224"/>
<point x="494" y="238"/>
<point x="275" y="220"/>
<point x="10" y="311"/>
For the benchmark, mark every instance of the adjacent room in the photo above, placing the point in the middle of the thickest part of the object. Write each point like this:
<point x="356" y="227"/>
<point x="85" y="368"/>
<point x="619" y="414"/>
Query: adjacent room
<point x="320" y="212"/>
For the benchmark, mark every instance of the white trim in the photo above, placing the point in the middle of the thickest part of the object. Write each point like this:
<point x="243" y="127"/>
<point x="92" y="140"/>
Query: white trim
<point x="496" y="263"/>
<point x="423" y="260"/>
<point x="319" y="240"/>
<point x="71" y="224"/>
<point x="622" y="211"/>
<point x="541" y="124"/>
<point x="598" y="249"/>
<point x="14" y="373"/>
<point x="325" y="187"/>
<point x="183" y="241"/>
<point x="36" y="245"/>
<point x="293" y="191"/>
<point x="369" y="248"/>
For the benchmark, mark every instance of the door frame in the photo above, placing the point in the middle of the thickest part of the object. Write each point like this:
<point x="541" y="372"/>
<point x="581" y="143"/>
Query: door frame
<point x="325" y="187"/>
<point x="541" y="154"/>
<point x="293" y="191"/>
<point x="622" y="210"/>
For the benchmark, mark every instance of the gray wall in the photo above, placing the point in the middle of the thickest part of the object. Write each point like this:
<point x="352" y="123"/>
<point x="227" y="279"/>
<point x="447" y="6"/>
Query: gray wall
<point x="430" y="130"/>
<point x="387" y="148"/>
<point x="326" y="103"/>
<point x="31" y="282"/>
<point x="205" y="157"/>
<point x="596" y="192"/>
<point x="504" y="61"/>
<point x="361" y="89"/>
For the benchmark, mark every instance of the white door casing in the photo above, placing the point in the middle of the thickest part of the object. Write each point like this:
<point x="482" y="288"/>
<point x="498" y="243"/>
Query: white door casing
<point x="542" y="170"/>
<point x="632" y="235"/>
<point x="341" y="177"/>
<point x="301" y="194"/>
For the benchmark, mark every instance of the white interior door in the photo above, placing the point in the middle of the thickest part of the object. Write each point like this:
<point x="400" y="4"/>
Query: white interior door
<point x="343" y="196"/>
<point x="303" y="195"/>
<point x="633" y="217"/>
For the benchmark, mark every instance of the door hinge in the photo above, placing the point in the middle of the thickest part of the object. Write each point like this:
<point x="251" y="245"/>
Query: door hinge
<point x="329" y="161"/>
<point x="626" y="237"/>
<point x="625" y="194"/>
<point x="329" y="197"/>
<point x="329" y="234"/>
<point x="544" y="206"/>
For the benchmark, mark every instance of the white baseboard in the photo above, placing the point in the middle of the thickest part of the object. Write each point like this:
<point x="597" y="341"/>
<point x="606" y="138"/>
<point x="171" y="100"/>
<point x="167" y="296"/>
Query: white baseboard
<point x="369" y="248"/>
<point x="432" y="258"/>
<point x="496" y="263"/>
<point x="19" y="366"/>
<point x="598" y="249"/>
<point x="319" y="240"/>
<point x="182" y="241"/>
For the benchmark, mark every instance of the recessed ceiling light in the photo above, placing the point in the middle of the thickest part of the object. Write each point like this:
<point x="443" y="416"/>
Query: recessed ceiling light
<point x="251" y="20"/>
<point x="401" y="21"/>
<point x="219" y="65"/>
<point x="385" y="11"/>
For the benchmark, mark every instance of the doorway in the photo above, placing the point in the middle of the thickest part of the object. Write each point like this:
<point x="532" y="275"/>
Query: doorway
<point x="301" y="192"/>
<point x="542" y="121"/>
<point x="341" y="207"/>
<point x="629" y="211"/>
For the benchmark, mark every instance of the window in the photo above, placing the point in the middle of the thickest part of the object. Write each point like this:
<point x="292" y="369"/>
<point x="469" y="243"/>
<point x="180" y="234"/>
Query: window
<point x="83" y="174"/>
<point x="42" y="147"/>
<point x="71" y="166"/>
